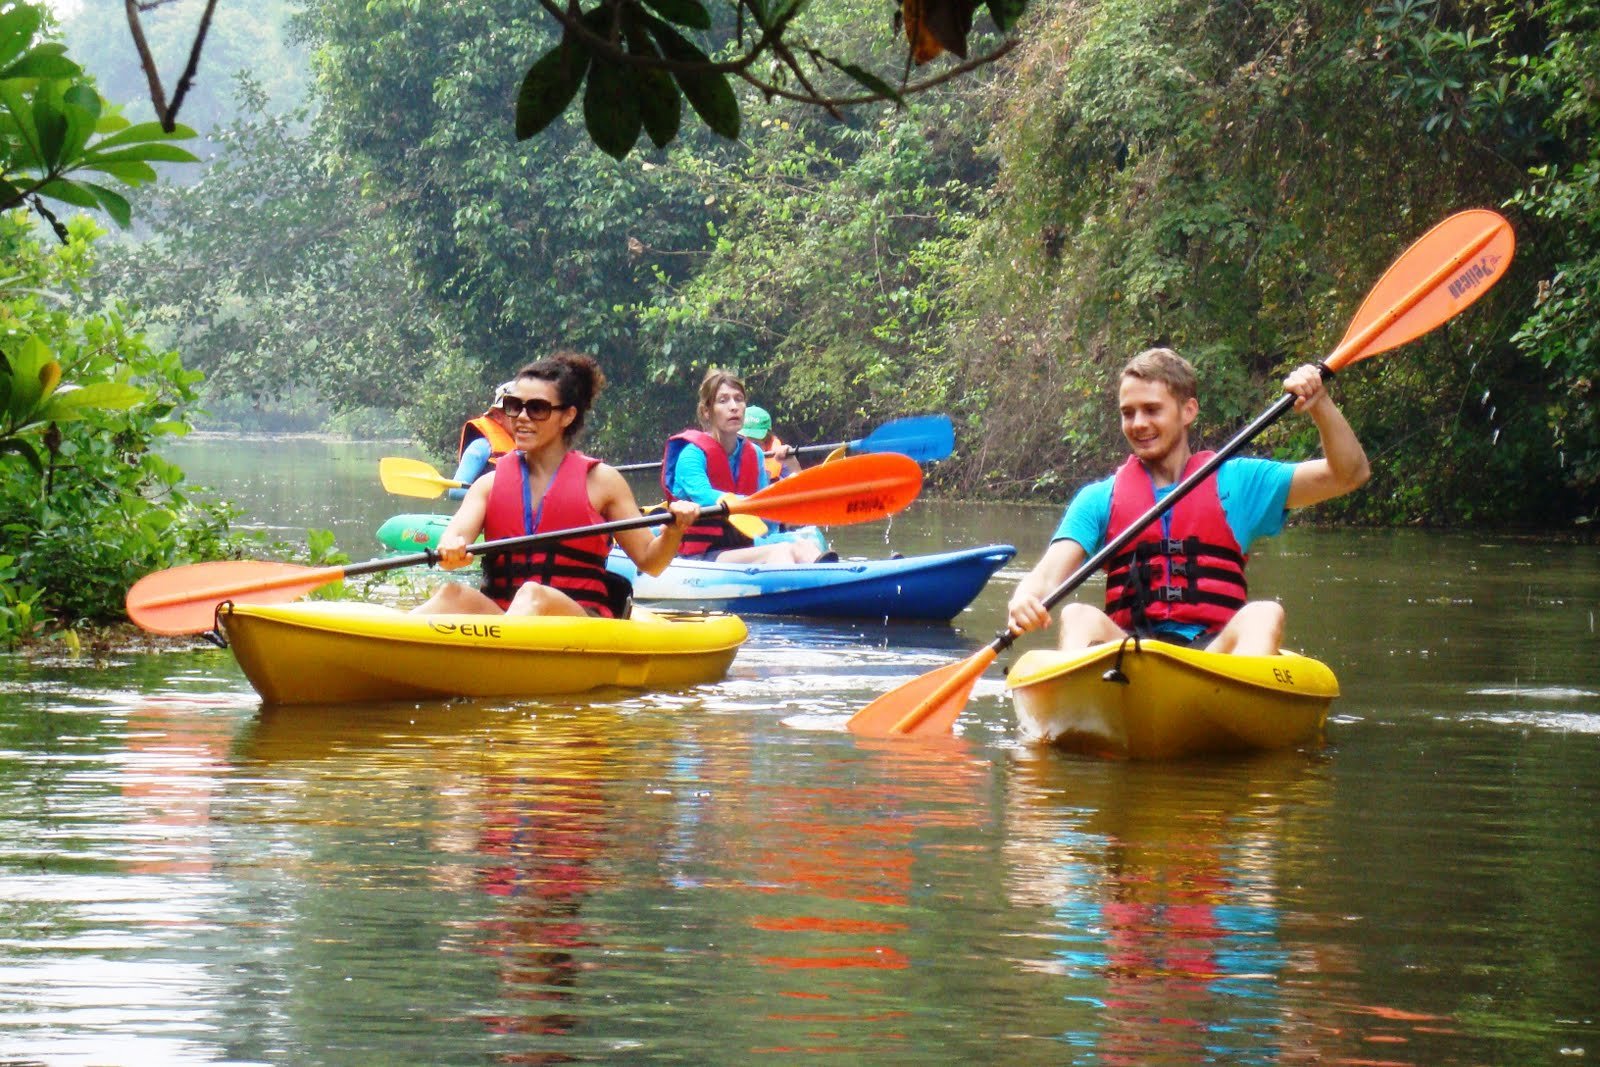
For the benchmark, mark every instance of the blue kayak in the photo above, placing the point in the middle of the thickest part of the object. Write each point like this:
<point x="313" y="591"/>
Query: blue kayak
<point x="930" y="588"/>
<point x="934" y="587"/>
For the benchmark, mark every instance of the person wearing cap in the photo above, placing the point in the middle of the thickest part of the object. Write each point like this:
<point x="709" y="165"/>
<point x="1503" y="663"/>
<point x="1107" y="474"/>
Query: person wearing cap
<point x="780" y="459"/>
<point x="483" y="441"/>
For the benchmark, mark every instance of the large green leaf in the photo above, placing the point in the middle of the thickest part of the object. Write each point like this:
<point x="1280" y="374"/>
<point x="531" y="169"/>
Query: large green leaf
<point x="23" y="137"/>
<point x="69" y="192"/>
<point x="860" y="75"/>
<point x="34" y="376"/>
<point x="550" y="85"/>
<point x="46" y="61"/>
<point x="710" y="93"/>
<point x="74" y="403"/>
<point x="24" y="449"/>
<point x="162" y="153"/>
<point x="691" y="13"/>
<point x="133" y="173"/>
<point x="140" y="132"/>
<point x="660" y="103"/>
<point x="115" y="204"/>
<point x="17" y="28"/>
<point x="51" y="123"/>
<point x="611" y="107"/>
<point x="81" y="106"/>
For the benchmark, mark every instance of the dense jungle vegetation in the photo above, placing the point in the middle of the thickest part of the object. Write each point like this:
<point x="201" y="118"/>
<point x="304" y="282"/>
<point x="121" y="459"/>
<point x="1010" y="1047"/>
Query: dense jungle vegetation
<point x="1227" y="178"/>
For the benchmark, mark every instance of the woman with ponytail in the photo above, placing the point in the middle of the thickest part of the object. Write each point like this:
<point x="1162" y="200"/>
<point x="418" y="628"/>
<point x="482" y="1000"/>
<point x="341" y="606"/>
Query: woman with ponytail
<point x="545" y="485"/>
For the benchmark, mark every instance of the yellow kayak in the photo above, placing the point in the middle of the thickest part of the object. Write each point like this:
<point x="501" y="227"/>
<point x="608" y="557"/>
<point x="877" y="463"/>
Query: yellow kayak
<point x="320" y="652"/>
<point x="1152" y="700"/>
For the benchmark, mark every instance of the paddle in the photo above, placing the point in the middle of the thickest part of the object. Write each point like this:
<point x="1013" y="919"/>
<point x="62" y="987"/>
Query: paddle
<point x="183" y="600"/>
<point x="1447" y="269"/>
<point x="413" y="477"/>
<point x="925" y="438"/>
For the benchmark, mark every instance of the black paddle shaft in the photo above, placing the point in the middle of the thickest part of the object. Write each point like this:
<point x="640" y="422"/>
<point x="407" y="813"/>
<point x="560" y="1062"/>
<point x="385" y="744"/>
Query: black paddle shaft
<point x="652" y="464"/>
<point x="1004" y="639"/>
<point x="430" y="556"/>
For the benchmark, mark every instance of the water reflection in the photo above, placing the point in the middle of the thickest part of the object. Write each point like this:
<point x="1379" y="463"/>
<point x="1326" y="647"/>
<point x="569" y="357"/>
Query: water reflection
<point x="1163" y="884"/>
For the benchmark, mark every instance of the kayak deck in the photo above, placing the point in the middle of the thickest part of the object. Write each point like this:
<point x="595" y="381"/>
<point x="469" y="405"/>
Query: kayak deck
<point x="336" y="652"/>
<point x="934" y="587"/>
<point x="1152" y="700"/>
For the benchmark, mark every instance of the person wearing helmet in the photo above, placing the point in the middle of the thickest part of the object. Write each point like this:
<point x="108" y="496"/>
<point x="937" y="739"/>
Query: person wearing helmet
<point x="484" y="440"/>
<point x="779" y="458"/>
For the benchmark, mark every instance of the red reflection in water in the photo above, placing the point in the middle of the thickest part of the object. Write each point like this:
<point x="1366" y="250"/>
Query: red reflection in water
<point x="546" y="834"/>
<point x="829" y="859"/>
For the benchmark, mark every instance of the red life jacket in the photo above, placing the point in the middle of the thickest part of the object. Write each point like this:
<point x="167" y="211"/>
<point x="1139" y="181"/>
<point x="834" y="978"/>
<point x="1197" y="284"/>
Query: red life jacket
<point x="713" y="532"/>
<point x="576" y="566"/>
<point x="1192" y="573"/>
<point x="500" y="439"/>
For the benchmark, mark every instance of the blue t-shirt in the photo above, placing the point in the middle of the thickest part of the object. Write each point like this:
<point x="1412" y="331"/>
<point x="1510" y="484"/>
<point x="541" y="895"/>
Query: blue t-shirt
<point x="691" y="481"/>
<point x="474" y="465"/>
<point x="1254" y="495"/>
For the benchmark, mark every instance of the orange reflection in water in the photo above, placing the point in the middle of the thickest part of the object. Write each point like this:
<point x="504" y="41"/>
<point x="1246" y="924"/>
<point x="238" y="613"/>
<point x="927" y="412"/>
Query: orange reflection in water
<point x="177" y="752"/>
<point x="546" y="831"/>
<point x="828" y="861"/>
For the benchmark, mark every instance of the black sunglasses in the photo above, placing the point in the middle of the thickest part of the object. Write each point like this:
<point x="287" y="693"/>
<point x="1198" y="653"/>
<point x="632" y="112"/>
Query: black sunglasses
<point x="537" y="409"/>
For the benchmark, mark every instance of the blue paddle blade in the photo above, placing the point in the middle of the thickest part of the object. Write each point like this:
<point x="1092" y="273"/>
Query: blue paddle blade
<point x="925" y="438"/>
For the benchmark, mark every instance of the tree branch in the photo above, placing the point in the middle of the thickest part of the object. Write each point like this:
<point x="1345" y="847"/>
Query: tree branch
<point x="167" y="113"/>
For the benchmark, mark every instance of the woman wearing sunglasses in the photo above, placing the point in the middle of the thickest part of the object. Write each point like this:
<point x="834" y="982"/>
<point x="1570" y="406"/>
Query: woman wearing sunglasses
<point x="545" y="484"/>
<point x="701" y="465"/>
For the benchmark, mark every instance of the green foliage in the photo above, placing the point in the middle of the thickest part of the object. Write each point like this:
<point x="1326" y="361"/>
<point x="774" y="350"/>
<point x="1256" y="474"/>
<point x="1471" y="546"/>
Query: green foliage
<point x="55" y="128"/>
<point x="271" y="278"/>
<point x="854" y="233"/>
<point x="1520" y="79"/>
<point x="97" y="507"/>
<point x="322" y="552"/>
<point x="19" y="611"/>
<point x="512" y="248"/>
<point x="1231" y="184"/>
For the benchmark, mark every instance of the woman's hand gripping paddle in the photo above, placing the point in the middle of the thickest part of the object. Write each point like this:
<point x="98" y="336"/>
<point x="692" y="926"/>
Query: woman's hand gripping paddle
<point x="1447" y="269"/>
<point x="183" y="600"/>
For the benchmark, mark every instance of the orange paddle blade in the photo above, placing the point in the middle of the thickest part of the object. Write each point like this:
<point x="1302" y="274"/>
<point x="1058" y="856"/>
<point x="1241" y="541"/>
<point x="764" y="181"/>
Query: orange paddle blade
<point x="925" y="706"/>
<point x="183" y="600"/>
<point x="855" y="489"/>
<point x="1445" y="270"/>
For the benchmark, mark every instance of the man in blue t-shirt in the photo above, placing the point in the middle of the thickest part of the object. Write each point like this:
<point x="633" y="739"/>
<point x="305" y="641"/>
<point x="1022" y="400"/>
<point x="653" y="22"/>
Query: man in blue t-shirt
<point x="1158" y="402"/>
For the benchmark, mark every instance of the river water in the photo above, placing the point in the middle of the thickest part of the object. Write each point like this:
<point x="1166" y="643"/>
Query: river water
<point x="723" y="875"/>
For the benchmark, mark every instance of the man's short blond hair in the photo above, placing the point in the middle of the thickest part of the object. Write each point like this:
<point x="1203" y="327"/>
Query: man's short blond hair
<point x="1165" y="366"/>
